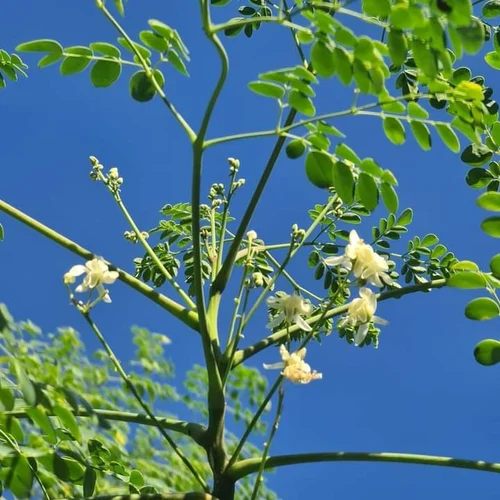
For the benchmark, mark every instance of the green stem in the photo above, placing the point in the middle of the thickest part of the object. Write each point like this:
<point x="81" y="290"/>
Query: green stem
<point x="406" y="118"/>
<point x="189" y="318"/>
<point x="131" y="387"/>
<point x="291" y="279"/>
<point x="326" y="116"/>
<point x="149" y="72"/>
<point x="216" y="28"/>
<point x="150" y="251"/>
<point x="209" y="318"/>
<point x="99" y="58"/>
<point x="252" y="424"/>
<point x="15" y="446"/>
<point x="156" y="496"/>
<point x="277" y="336"/>
<point x="191" y="429"/>
<point x="233" y="344"/>
<point x="267" y="447"/>
<point x="224" y="274"/>
<point x="249" y="466"/>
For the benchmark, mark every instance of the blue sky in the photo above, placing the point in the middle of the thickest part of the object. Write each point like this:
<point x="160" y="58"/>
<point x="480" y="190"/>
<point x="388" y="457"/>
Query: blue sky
<point x="420" y="392"/>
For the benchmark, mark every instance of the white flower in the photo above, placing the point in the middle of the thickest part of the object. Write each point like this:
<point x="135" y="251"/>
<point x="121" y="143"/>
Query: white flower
<point x="252" y="235"/>
<point x="365" y="263"/>
<point x="360" y="313"/>
<point x="290" y="308"/>
<point x="97" y="274"/>
<point x="294" y="367"/>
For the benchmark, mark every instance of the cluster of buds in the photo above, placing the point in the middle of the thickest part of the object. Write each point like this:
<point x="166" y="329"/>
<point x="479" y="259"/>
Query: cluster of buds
<point x="217" y="195"/>
<point x="234" y="165"/>
<point x="237" y="184"/>
<point x="132" y="237"/>
<point x="97" y="168"/>
<point x="113" y="180"/>
<point x="297" y="234"/>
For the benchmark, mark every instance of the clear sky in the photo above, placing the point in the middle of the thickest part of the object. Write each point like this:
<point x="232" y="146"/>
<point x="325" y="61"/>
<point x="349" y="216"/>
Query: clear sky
<point x="420" y="392"/>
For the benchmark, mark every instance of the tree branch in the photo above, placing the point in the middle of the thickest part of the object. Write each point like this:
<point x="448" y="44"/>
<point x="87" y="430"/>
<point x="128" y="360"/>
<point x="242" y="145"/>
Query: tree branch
<point x="191" y="429"/>
<point x="189" y="318"/>
<point x="250" y="351"/>
<point x="157" y="496"/>
<point x="249" y="466"/>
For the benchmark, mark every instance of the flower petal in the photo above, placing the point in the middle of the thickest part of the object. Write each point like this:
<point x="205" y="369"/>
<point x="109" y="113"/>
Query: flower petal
<point x="77" y="270"/>
<point x="301" y="323"/>
<point x="273" y="366"/>
<point x="360" y="334"/>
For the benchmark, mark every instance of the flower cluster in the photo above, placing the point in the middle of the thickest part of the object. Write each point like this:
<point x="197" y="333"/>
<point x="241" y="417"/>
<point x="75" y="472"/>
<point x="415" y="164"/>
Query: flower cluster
<point x="365" y="263"/>
<point x="97" y="274"/>
<point x="294" y="368"/>
<point x="360" y="314"/>
<point x="290" y="308"/>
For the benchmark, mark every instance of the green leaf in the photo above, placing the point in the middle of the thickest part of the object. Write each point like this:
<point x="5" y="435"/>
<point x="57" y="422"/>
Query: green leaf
<point x="177" y="62"/>
<point x="493" y="59"/>
<point x="398" y="46"/>
<point x="295" y="148"/>
<point x="42" y="421"/>
<point x="2" y="233"/>
<point x="472" y="36"/>
<point x="25" y="385"/>
<point x="20" y="478"/>
<point x="136" y="478"/>
<point x="367" y="191"/>
<point x="89" y="482"/>
<point x="267" y="89"/>
<point x="343" y="181"/>
<point x="406" y="217"/>
<point x="370" y="166"/>
<point x="68" y="421"/>
<point x="153" y="41"/>
<point x="376" y="8"/>
<point x="389" y="197"/>
<point x="429" y="240"/>
<point x="142" y="88"/>
<point x="478" y="178"/>
<point x="78" y="60"/>
<point x="487" y="352"/>
<point x="67" y="468"/>
<point x="491" y="226"/>
<point x="448" y="136"/>
<point x="301" y="103"/>
<point x="49" y="59"/>
<point x="394" y="130"/>
<point x="476" y="155"/>
<point x="422" y="135"/>
<point x="119" y="7"/>
<point x="347" y="153"/>
<point x="42" y="45"/>
<point x="319" y="169"/>
<point x="489" y="201"/>
<point x="6" y="399"/>
<point x="105" y="73"/>
<point x="467" y="280"/>
<point x="145" y="53"/>
<point x="495" y="265"/>
<point x="482" y="309"/>
<point x="424" y="58"/>
<point x="491" y="9"/>
<point x="322" y="59"/>
<point x="343" y="64"/>
<point x="106" y="49"/>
